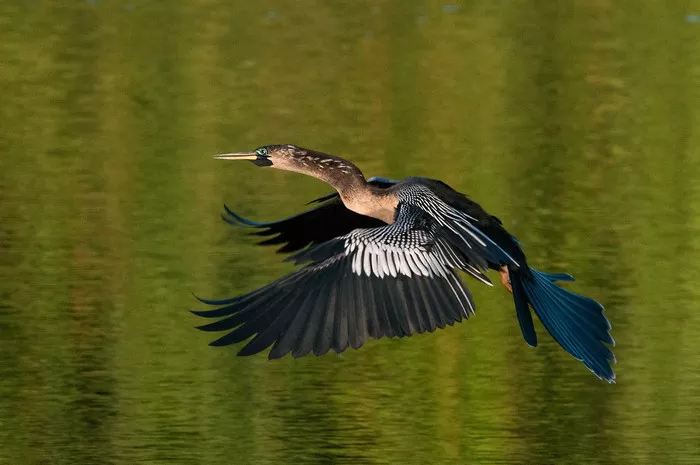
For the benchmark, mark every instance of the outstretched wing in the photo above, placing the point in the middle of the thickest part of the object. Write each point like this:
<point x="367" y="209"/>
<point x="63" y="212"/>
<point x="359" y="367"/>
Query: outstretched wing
<point x="394" y="280"/>
<point x="320" y="224"/>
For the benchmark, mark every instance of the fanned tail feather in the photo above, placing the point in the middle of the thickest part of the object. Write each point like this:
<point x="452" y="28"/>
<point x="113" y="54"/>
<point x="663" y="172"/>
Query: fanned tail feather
<point x="576" y="322"/>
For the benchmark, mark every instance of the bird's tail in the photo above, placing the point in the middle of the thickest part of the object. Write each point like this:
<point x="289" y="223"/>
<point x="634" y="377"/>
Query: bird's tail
<point x="576" y="322"/>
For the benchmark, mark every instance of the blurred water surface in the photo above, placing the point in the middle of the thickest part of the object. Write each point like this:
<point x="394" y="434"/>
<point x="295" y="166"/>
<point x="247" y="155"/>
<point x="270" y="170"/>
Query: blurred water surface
<point x="575" y="122"/>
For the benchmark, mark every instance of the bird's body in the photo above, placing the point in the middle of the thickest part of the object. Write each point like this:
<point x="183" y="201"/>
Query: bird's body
<point x="381" y="259"/>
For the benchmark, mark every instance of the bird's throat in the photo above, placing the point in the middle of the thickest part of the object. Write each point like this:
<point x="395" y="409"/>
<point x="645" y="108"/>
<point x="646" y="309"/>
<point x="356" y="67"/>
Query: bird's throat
<point x="369" y="201"/>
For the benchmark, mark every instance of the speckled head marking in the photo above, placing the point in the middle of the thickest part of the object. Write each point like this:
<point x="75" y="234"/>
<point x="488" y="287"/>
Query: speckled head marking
<point x="289" y="157"/>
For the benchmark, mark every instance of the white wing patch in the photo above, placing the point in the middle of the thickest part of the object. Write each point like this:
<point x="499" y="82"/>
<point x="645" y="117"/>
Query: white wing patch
<point x="384" y="260"/>
<point x="399" y="250"/>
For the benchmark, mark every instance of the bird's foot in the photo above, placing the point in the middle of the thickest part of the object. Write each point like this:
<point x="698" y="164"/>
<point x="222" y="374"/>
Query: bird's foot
<point x="505" y="278"/>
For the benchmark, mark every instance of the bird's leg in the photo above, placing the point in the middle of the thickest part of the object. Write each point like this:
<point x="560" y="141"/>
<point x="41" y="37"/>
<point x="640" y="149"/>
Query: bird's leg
<point x="505" y="278"/>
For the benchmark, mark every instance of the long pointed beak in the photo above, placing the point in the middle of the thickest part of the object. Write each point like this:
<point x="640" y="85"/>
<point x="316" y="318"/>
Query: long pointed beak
<point x="237" y="156"/>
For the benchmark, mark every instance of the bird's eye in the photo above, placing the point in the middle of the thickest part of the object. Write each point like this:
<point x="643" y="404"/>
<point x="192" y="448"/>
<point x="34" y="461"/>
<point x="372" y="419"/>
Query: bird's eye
<point x="262" y="151"/>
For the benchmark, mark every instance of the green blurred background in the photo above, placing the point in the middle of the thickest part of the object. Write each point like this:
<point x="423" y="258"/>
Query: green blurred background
<point x="576" y="122"/>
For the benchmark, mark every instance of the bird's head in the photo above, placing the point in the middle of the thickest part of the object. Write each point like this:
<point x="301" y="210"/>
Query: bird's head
<point x="328" y="168"/>
<point x="277" y="156"/>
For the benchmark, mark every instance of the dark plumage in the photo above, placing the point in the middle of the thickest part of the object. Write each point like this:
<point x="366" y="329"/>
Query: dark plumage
<point x="380" y="258"/>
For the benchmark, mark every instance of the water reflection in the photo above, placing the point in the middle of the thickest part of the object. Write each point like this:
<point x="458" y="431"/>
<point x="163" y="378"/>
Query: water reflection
<point x="573" y="123"/>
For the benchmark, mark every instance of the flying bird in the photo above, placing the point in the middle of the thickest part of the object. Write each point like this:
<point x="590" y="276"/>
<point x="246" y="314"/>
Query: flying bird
<point x="381" y="258"/>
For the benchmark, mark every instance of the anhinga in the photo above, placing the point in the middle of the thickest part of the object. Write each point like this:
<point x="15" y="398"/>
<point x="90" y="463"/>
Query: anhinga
<point x="381" y="259"/>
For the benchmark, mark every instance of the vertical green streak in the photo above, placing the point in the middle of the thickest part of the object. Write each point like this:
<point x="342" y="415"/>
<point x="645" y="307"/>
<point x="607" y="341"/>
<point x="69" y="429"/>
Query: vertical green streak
<point x="663" y="175"/>
<point x="407" y="94"/>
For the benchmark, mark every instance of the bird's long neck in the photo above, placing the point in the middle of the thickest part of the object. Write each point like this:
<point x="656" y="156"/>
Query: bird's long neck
<point x="348" y="180"/>
<point x="341" y="175"/>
